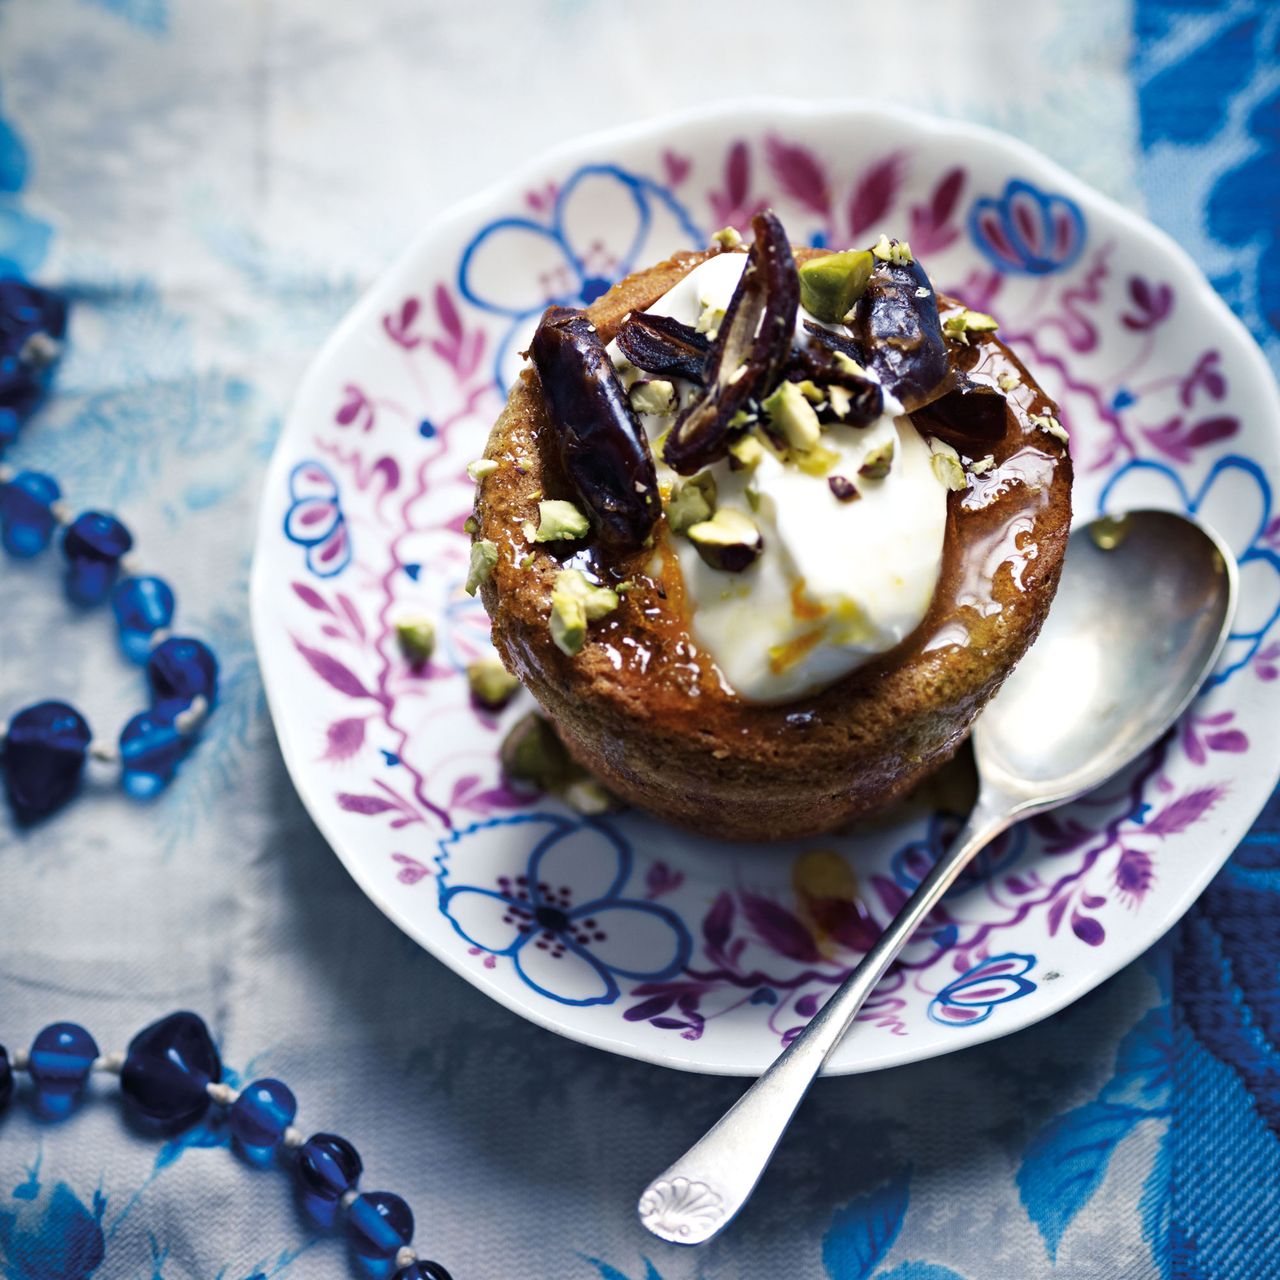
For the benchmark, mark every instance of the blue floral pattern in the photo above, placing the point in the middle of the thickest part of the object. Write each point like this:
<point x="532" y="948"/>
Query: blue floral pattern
<point x="555" y="917"/>
<point x="576" y="255"/>
<point x="1027" y="230"/>
<point x="974" y="995"/>
<point x="315" y="520"/>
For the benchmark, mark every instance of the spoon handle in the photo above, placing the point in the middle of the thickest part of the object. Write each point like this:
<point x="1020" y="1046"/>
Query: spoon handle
<point x="700" y="1193"/>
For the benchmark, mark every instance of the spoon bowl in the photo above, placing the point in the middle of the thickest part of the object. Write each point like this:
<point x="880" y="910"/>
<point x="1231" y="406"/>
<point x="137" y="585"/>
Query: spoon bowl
<point x="1140" y="618"/>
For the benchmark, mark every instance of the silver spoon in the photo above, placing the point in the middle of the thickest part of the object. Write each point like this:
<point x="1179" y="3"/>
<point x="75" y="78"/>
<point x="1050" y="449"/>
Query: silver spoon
<point x="1141" y="615"/>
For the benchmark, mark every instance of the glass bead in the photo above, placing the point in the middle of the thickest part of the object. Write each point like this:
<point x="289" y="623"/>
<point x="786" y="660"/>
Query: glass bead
<point x="181" y="667"/>
<point x="380" y="1223"/>
<point x="141" y="606"/>
<point x="60" y="1061"/>
<point x="328" y="1167"/>
<point x="6" y="1078"/>
<point x="168" y="1069"/>
<point x="423" y="1269"/>
<point x="27" y="521"/>
<point x="19" y="395"/>
<point x="94" y="544"/>
<point x="26" y="309"/>
<point x="260" y="1115"/>
<point x="151" y="749"/>
<point x="44" y="753"/>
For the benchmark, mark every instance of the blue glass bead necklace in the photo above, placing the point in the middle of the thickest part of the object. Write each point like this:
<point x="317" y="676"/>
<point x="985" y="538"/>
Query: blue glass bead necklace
<point x="171" y="1074"/>
<point x="46" y="744"/>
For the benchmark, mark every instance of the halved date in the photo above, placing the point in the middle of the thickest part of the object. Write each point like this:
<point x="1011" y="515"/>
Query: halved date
<point x="897" y="328"/>
<point x="602" y="446"/>
<point x="663" y="346"/>
<point x="749" y="353"/>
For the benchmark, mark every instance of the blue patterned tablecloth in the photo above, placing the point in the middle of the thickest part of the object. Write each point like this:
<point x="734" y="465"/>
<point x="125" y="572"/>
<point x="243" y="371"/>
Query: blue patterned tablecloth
<point x="212" y="182"/>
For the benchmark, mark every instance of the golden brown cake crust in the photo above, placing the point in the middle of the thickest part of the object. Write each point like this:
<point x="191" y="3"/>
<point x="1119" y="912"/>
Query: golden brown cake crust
<point x="648" y="713"/>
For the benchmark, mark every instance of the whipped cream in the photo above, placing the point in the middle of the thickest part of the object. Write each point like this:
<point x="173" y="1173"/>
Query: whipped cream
<point x="838" y="582"/>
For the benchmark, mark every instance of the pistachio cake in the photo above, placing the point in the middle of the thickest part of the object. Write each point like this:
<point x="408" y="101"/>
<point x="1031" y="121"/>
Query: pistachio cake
<point x="763" y="529"/>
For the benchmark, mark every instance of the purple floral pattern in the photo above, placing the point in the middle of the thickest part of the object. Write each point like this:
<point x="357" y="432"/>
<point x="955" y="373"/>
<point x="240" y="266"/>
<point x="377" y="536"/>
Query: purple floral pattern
<point x="403" y="763"/>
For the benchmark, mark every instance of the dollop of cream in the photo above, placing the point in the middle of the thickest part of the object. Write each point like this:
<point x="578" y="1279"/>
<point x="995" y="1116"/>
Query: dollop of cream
<point x="838" y="582"/>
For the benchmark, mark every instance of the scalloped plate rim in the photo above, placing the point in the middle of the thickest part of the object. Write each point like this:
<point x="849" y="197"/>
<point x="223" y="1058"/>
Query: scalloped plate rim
<point x="743" y="114"/>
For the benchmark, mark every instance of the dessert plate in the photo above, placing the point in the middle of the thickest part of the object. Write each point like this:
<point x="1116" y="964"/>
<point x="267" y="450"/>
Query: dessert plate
<point x="639" y="938"/>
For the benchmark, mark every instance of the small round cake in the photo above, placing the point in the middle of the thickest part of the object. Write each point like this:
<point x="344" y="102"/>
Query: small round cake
<point x="763" y="530"/>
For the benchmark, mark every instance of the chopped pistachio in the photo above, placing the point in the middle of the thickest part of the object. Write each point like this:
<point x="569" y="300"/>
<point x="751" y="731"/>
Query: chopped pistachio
<point x="876" y="464"/>
<point x="728" y="541"/>
<point x="470" y="525"/>
<point x="1108" y="532"/>
<point x="817" y="461"/>
<point x="898" y="251"/>
<point x="841" y="400"/>
<point x="586" y="796"/>
<point x="847" y="364"/>
<point x="693" y="502"/>
<point x="746" y="453"/>
<point x="1008" y="381"/>
<point x="492" y="685"/>
<point x="484" y="555"/>
<point x="727" y="238"/>
<point x="813" y="393"/>
<point x="741" y="419"/>
<point x="530" y="531"/>
<point x="829" y="286"/>
<point x="416" y="638"/>
<point x="947" y="466"/>
<point x="660" y="444"/>
<point x="574" y="603"/>
<point x="1048" y="423"/>
<point x="655" y="395"/>
<point x="710" y="320"/>
<point x="527" y="560"/>
<point x="982" y="465"/>
<point x="629" y="584"/>
<point x="965" y="322"/>
<point x="480" y="468"/>
<point x="793" y="416"/>
<point x="560" y="521"/>
<point x="531" y="752"/>
<point x="843" y="488"/>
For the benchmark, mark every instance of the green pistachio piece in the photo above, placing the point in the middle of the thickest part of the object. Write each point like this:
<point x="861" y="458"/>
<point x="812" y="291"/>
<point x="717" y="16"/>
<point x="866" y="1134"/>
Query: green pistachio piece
<point x="655" y="395"/>
<point x="965" y="322"/>
<point x="492" y="685"/>
<point x="574" y="603"/>
<point x="746" y="453"/>
<point x="841" y="400"/>
<point x="830" y="286"/>
<point x="531" y="752"/>
<point x="729" y="541"/>
<point x="875" y="466"/>
<point x="693" y="502"/>
<point x="710" y="320"/>
<point x="470" y="525"/>
<point x="480" y="468"/>
<point x="897" y="251"/>
<point x="818" y="461"/>
<point x="1047" y="422"/>
<point x="416" y="638"/>
<point x="560" y="521"/>
<point x="792" y="416"/>
<point x="727" y="238"/>
<point x="484" y="555"/>
<point x="586" y="796"/>
<point x="947" y="465"/>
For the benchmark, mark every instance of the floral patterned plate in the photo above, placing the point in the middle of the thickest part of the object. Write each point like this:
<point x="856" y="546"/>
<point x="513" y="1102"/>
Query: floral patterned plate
<point x="622" y="932"/>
